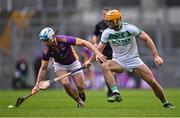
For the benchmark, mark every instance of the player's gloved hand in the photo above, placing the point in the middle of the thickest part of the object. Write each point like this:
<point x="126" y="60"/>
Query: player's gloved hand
<point x="158" y="60"/>
<point x="35" y="90"/>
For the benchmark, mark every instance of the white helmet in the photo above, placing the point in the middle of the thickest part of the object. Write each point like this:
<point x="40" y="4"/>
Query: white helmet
<point x="46" y="34"/>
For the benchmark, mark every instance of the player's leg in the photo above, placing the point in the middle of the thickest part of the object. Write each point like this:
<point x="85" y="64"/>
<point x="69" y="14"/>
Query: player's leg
<point x="70" y="90"/>
<point x="78" y="78"/>
<point x="80" y="84"/>
<point x="109" y="91"/>
<point x="108" y="53"/>
<point x="145" y="73"/>
<point x="109" y="67"/>
<point x="89" y="77"/>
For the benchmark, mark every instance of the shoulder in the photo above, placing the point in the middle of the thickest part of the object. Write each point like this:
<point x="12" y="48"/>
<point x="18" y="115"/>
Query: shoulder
<point x="128" y="25"/>
<point x="125" y="24"/>
<point x="132" y="29"/>
<point x="69" y="40"/>
<point x="107" y="31"/>
<point x="100" y="22"/>
<point x="60" y="38"/>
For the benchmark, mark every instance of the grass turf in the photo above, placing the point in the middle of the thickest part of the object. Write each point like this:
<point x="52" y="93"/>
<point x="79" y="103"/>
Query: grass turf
<point x="56" y="103"/>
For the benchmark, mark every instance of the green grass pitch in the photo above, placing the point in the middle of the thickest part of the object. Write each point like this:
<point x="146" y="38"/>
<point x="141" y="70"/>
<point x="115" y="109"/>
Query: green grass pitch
<point x="56" y="103"/>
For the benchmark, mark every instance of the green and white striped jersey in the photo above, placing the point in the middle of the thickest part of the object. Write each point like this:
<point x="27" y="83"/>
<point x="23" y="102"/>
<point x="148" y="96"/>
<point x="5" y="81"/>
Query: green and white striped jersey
<point x="123" y="42"/>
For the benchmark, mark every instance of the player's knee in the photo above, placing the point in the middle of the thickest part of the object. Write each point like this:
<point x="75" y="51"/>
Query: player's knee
<point x="81" y="86"/>
<point x="105" y="66"/>
<point x="65" y="83"/>
<point x="151" y="79"/>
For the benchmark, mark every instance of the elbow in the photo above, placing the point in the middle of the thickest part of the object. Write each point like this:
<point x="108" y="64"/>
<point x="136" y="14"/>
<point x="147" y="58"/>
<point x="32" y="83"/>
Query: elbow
<point x="145" y="40"/>
<point x="144" y="37"/>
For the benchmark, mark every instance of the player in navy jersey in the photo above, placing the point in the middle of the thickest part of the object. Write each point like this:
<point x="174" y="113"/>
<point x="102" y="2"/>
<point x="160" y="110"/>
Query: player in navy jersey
<point x="99" y="28"/>
<point x="65" y="59"/>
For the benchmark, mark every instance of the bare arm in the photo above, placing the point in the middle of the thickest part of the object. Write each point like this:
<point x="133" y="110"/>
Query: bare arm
<point x="42" y="71"/>
<point x="146" y="38"/>
<point x="94" y="40"/>
<point x="100" y="47"/>
<point x="41" y="75"/>
<point x="87" y="44"/>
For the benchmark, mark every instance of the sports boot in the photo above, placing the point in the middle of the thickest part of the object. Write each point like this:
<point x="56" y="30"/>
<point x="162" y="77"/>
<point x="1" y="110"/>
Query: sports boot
<point x="169" y="105"/>
<point x="115" y="98"/>
<point x="82" y="95"/>
<point x="80" y="104"/>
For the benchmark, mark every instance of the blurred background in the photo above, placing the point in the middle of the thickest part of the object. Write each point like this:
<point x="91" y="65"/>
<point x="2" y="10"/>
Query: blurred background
<point x="22" y="20"/>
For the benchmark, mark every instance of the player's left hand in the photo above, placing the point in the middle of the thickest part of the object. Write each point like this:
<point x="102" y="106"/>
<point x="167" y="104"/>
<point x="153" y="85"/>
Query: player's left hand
<point x="158" y="60"/>
<point x="35" y="90"/>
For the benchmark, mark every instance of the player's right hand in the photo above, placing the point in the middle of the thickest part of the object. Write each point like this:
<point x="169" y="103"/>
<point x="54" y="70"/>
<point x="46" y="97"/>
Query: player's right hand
<point x="158" y="60"/>
<point x="35" y="90"/>
<point x="101" y="57"/>
<point x="87" y="64"/>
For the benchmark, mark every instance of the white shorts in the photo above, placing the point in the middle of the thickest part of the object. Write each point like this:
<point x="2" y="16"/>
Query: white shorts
<point x="130" y="64"/>
<point x="75" y="65"/>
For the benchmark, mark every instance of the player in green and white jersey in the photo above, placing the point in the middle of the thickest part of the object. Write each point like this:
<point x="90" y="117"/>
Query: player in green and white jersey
<point x="122" y="38"/>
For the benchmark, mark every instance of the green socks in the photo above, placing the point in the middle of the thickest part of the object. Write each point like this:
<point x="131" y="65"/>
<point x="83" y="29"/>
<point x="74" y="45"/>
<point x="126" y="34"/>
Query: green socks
<point x="114" y="89"/>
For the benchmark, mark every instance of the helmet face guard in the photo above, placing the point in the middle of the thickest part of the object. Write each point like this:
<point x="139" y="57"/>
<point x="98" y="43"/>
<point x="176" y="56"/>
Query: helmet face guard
<point x="112" y="23"/>
<point x="46" y="34"/>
